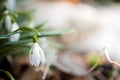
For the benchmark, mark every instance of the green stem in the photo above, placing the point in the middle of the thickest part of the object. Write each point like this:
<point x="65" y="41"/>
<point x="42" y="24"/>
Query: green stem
<point x="35" y="39"/>
<point x="28" y="29"/>
<point x="8" y="74"/>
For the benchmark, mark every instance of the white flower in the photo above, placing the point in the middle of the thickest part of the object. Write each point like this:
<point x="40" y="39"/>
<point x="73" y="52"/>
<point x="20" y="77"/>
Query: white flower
<point x="36" y="55"/>
<point x="14" y="37"/>
<point x="8" y="21"/>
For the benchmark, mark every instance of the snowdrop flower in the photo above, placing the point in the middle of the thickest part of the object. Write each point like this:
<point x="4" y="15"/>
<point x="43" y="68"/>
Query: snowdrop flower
<point x="8" y="21"/>
<point x="36" y="55"/>
<point x="14" y="37"/>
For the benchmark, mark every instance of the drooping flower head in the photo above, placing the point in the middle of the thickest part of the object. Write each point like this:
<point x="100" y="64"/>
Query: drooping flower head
<point x="36" y="55"/>
<point x="7" y="17"/>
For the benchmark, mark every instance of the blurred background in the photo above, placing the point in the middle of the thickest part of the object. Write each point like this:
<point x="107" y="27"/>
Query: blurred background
<point x="96" y="23"/>
<point x="77" y="55"/>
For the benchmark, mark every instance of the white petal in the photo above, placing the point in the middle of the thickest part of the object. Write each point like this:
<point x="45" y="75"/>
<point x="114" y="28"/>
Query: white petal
<point x="8" y="22"/>
<point x="42" y="55"/>
<point x="30" y="55"/>
<point x="35" y="56"/>
<point x="14" y="37"/>
<point x="30" y="59"/>
<point x="14" y="27"/>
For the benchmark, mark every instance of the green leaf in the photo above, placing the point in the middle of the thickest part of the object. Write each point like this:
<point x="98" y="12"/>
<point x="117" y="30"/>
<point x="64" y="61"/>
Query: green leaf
<point x="7" y="48"/>
<point x="8" y="74"/>
<point x="43" y="33"/>
<point x="25" y="41"/>
<point x="55" y="32"/>
<point x="14" y="50"/>
<point x="3" y="36"/>
<point x="48" y="33"/>
<point x="28" y="29"/>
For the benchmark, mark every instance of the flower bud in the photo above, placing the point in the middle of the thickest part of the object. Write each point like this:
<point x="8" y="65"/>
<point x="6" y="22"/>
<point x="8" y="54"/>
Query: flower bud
<point x="36" y="55"/>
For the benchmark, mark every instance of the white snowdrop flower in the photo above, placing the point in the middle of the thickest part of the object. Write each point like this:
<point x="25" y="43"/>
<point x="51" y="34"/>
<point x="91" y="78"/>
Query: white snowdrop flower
<point x="36" y="55"/>
<point x="8" y="22"/>
<point x="14" y="37"/>
<point x="7" y="19"/>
